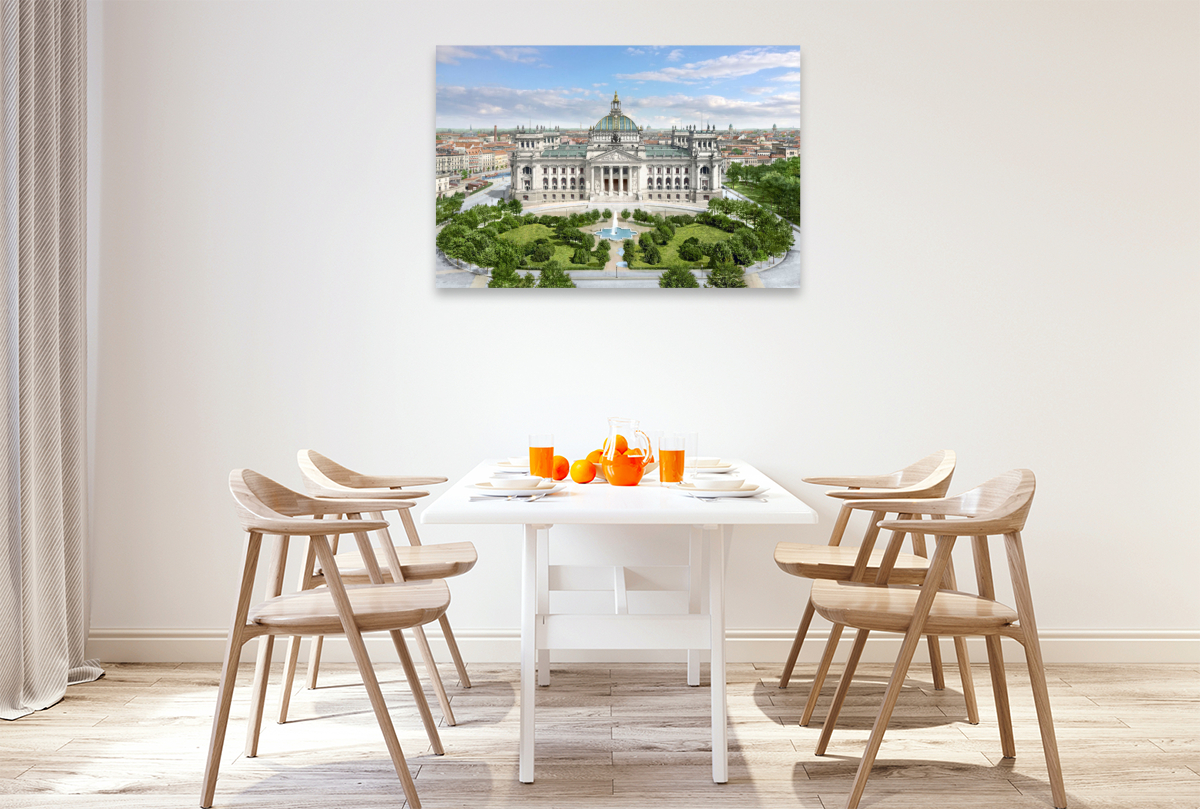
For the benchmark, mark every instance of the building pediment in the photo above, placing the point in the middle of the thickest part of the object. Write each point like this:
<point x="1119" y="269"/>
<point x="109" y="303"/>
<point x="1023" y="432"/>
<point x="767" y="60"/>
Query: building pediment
<point x="616" y="156"/>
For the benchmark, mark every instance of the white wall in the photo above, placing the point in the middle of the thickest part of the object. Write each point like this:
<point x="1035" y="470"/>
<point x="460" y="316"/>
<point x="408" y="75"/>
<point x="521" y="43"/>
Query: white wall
<point x="1001" y="257"/>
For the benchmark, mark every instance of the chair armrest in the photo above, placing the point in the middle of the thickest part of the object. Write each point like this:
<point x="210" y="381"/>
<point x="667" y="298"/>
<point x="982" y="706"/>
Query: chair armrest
<point x="308" y="528"/>
<point x="361" y="494"/>
<point x="855" y="481"/>
<point x="348" y="505"/>
<point x="398" y="481"/>
<point x="878" y="494"/>
<point x="949" y="528"/>
<point x="915" y="505"/>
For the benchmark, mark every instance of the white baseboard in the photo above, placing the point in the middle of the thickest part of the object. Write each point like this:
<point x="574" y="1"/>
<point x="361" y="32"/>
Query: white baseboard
<point x="742" y="646"/>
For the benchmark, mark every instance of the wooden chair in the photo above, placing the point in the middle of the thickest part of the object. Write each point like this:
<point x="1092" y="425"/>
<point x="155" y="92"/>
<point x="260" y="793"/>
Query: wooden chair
<point x="406" y="563"/>
<point x="998" y="507"/>
<point x="264" y="507"/>
<point x="928" y="477"/>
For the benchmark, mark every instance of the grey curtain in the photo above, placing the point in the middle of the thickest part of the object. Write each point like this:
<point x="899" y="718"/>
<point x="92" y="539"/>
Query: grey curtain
<point x="43" y="496"/>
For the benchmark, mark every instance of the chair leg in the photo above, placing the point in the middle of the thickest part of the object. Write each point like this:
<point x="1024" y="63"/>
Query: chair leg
<point x="1008" y="742"/>
<point x="912" y="638"/>
<point x="935" y="662"/>
<point x="220" y="722"/>
<point x="367" y="671"/>
<point x="289" y="676"/>
<point x="233" y="651"/>
<point x="1037" y="669"/>
<point x="790" y="663"/>
<point x="414" y="684"/>
<point x="968" y="682"/>
<point x="434" y="676"/>
<point x="835" y="634"/>
<point x="262" y="666"/>
<point x="314" y="661"/>
<point x="464" y="679"/>
<point x="860" y="643"/>
<point x="258" y="693"/>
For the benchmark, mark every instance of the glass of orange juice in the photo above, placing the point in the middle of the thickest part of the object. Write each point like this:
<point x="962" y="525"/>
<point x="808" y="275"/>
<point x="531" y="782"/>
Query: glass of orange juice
<point x="541" y="455"/>
<point x="671" y="448"/>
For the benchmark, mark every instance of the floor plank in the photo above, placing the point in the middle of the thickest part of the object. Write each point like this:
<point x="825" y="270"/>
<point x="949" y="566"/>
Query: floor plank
<point x="610" y="737"/>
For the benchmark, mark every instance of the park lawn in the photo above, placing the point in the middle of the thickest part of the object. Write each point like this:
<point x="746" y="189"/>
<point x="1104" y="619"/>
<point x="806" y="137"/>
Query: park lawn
<point x="706" y="234"/>
<point x="527" y="234"/>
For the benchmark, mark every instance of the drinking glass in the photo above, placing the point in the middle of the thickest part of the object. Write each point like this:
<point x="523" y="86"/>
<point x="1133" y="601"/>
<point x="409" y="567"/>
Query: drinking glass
<point x="691" y="452"/>
<point x="671" y="455"/>
<point x="541" y="455"/>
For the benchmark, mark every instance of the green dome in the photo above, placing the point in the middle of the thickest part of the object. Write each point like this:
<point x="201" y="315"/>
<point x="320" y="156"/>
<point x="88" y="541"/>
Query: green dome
<point x="616" y="122"/>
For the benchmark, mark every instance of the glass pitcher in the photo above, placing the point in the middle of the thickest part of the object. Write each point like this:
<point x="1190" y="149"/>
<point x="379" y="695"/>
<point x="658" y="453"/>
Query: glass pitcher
<point x="628" y="453"/>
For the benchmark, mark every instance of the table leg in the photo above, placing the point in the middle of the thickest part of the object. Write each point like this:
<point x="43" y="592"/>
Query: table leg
<point x="543" y="599"/>
<point x="716" y="608"/>
<point x="695" y="565"/>
<point x="528" y="650"/>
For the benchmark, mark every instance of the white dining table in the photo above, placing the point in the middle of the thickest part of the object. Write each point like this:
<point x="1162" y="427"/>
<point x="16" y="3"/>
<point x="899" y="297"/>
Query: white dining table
<point x="597" y="503"/>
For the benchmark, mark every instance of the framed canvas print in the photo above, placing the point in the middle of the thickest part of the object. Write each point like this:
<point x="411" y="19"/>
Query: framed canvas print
<point x="617" y="166"/>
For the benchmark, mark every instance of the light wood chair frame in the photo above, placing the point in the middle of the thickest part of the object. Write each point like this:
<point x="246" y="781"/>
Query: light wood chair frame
<point x="267" y="509"/>
<point x="324" y="477"/>
<point x="927" y="478"/>
<point x="996" y="508"/>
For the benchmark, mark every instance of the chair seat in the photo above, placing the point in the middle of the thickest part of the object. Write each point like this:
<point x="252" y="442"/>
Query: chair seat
<point x="376" y="607"/>
<point x="837" y="563"/>
<point x="889" y="608"/>
<point x="417" y="562"/>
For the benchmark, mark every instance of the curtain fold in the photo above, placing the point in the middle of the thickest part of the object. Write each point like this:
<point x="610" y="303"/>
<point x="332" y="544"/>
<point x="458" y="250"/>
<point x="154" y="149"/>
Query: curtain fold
<point x="43" y="495"/>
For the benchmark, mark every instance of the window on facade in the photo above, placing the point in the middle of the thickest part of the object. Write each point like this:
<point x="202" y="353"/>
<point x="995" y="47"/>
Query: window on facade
<point x="545" y="183"/>
<point x="525" y="196"/>
<point x="685" y="171"/>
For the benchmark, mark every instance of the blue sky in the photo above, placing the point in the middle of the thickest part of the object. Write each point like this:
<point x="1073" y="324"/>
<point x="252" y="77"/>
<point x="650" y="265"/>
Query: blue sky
<point x="659" y="86"/>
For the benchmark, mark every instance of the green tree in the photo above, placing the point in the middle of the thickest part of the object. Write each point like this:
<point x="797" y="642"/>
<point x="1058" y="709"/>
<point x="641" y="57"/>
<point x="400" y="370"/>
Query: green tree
<point x="677" y="277"/>
<point x="553" y="276"/>
<point x="516" y="206"/>
<point x="448" y="207"/>
<point x="690" y="250"/>
<point x="508" y="277"/>
<point x="581" y="256"/>
<point x="625" y="214"/>
<point x="727" y="276"/>
<point x="736" y="151"/>
<point x="741" y="254"/>
<point x="629" y="248"/>
<point x="606" y="214"/>
<point x="603" y="250"/>
<point x="720" y="254"/>
<point x="465" y="174"/>
<point x="499" y="253"/>
<point x="542" y="251"/>
<point x="651" y="254"/>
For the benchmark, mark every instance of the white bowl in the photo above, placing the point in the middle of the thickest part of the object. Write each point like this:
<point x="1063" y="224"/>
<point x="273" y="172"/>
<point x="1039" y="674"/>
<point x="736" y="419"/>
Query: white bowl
<point x="723" y="483"/>
<point x="519" y="482"/>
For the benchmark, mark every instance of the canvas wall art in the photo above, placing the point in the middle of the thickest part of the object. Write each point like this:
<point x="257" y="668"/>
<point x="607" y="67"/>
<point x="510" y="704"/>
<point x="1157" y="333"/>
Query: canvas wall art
<point x="617" y="166"/>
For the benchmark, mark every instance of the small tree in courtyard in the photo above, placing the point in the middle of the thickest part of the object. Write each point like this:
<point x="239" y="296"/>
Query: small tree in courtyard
<point x="677" y="277"/>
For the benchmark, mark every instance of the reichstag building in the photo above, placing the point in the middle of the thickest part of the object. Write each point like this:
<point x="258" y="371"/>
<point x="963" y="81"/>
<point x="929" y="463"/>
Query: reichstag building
<point x="615" y="166"/>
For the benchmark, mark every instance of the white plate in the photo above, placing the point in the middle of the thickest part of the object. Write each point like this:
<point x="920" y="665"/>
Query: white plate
<point x="747" y="490"/>
<point x="509" y="466"/>
<point x="709" y="470"/>
<point x="498" y="489"/>
<point x="708" y="465"/>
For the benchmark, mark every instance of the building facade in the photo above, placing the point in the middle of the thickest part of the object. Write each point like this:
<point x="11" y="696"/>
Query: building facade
<point x="615" y="165"/>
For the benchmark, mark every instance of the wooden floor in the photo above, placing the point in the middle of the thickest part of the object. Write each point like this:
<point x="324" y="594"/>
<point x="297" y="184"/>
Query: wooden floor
<point x="610" y="736"/>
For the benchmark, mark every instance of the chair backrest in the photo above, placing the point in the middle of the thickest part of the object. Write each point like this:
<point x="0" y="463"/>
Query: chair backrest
<point x="260" y="500"/>
<point x="1003" y="501"/>
<point x="928" y="477"/>
<point x="999" y="506"/>
<point x="323" y="476"/>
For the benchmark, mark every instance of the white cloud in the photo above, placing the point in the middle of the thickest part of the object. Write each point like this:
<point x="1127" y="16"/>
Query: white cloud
<point x="793" y="76"/>
<point x="601" y="84"/>
<point x="452" y="54"/>
<point x="675" y="55"/>
<point x="742" y="63"/>
<point x="522" y="55"/>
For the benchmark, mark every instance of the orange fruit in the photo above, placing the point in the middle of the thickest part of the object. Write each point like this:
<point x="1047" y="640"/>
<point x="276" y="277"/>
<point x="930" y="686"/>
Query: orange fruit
<point x="622" y="445"/>
<point x="634" y="451"/>
<point x="583" y="471"/>
<point x="560" y="467"/>
<point x="594" y="455"/>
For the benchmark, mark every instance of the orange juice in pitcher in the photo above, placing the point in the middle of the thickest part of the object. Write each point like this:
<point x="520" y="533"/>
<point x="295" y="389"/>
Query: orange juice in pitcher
<point x="628" y="453"/>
